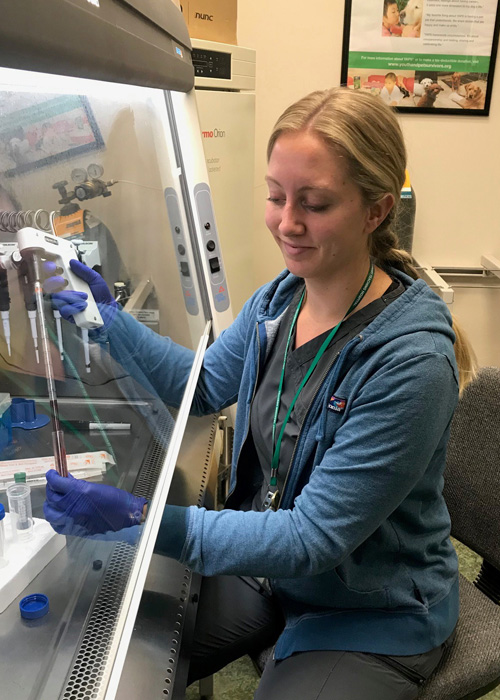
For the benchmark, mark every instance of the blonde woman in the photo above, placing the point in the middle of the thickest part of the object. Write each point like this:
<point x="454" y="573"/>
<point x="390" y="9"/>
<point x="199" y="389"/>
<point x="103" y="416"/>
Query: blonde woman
<point x="334" y="543"/>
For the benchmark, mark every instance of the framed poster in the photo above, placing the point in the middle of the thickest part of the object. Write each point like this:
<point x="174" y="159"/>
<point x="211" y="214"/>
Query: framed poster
<point x="422" y="55"/>
<point x="40" y="129"/>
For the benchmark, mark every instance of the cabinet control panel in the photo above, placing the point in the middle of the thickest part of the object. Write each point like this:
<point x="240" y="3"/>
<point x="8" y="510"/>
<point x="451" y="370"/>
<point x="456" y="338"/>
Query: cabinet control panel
<point x="178" y="233"/>
<point x="211" y="64"/>
<point x="211" y="247"/>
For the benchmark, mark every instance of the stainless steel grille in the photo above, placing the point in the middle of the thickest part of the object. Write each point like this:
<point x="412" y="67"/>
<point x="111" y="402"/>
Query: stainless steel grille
<point x="151" y="467"/>
<point x="88" y="667"/>
<point x="186" y="582"/>
<point x="85" y="679"/>
<point x="206" y="466"/>
<point x="177" y="635"/>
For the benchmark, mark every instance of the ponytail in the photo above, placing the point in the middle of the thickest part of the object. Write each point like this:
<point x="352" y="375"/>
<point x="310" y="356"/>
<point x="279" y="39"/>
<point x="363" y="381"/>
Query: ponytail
<point x="384" y="249"/>
<point x="464" y="355"/>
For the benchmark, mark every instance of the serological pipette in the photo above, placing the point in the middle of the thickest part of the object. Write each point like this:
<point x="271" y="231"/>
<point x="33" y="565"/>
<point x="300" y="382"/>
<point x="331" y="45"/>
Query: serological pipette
<point x="57" y="433"/>
<point x="5" y="306"/>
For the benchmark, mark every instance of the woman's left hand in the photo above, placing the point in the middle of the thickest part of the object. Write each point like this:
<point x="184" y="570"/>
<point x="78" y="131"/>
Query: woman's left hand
<point x="70" y="302"/>
<point x="79" y="507"/>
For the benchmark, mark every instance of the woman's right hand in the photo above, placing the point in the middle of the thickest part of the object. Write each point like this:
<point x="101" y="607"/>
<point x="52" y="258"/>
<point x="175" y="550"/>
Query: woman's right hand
<point x="69" y="302"/>
<point x="82" y="508"/>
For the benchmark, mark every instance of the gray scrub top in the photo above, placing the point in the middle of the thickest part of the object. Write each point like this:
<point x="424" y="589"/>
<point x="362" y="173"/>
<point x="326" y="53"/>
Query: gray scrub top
<point x="297" y="365"/>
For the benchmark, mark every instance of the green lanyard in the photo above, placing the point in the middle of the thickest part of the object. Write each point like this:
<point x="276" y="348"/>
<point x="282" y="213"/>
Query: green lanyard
<point x="276" y="455"/>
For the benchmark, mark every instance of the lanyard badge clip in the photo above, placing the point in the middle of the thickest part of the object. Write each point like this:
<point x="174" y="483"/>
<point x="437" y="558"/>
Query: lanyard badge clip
<point x="271" y="500"/>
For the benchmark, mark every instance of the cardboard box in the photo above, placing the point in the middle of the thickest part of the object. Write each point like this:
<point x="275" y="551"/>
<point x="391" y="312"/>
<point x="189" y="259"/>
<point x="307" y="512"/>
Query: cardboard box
<point x="214" y="20"/>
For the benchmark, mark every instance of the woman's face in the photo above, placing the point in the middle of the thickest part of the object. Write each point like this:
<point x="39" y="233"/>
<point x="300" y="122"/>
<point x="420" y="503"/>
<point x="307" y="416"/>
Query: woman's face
<point x="314" y="211"/>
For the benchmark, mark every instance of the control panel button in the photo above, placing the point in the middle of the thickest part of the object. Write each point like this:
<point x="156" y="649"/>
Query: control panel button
<point x="214" y="264"/>
<point x="184" y="269"/>
<point x="211" y="246"/>
<point x="181" y="249"/>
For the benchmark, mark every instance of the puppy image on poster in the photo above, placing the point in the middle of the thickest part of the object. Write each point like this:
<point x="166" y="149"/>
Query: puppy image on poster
<point x="411" y="18"/>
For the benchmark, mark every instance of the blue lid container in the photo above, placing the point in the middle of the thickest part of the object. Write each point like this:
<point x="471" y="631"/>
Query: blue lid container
<point x="2" y="512"/>
<point x="34" y="606"/>
<point x="23" y="415"/>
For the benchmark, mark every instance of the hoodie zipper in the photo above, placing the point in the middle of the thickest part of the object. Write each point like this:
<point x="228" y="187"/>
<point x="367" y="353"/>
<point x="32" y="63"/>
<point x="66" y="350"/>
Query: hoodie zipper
<point x="249" y="410"/>
<point x="320" y="386"/>
<point x="325" y="374"/>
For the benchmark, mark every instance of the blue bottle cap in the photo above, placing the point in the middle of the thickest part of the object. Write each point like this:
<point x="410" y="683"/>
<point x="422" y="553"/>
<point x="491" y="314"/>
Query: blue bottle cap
<point x="34" y="606"/>
<point x="2" y="512"/>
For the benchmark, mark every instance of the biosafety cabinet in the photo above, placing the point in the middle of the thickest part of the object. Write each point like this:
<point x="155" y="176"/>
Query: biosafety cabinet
<point x="101" y="160"/>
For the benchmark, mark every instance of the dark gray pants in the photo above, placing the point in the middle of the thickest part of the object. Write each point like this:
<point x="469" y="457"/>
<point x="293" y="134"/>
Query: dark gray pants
<point x="236" y="616"/>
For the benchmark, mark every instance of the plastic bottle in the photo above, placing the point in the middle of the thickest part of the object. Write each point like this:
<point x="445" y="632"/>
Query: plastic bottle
<point x="21" y="519"/>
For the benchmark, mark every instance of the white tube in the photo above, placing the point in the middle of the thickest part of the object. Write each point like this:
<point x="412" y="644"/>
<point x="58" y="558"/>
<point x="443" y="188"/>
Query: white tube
<point x="86" y="350"/>
<point x="2" y="539"/>
<point x="21" y="519"/>
<point x="6" y="328"/>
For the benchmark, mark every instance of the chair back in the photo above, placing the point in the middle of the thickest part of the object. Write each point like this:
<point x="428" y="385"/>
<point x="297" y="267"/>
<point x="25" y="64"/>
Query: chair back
<point x="472" y="476"/>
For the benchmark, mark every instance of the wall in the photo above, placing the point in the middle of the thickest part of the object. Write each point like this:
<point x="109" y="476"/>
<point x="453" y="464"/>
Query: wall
<point x="453" y="161"/>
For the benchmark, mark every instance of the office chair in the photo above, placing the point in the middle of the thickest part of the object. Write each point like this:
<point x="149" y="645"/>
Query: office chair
<point x="471" y="667"/>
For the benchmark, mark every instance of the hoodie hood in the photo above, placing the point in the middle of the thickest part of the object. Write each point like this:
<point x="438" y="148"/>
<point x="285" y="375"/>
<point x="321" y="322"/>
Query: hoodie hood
<point x="418" y="306"/>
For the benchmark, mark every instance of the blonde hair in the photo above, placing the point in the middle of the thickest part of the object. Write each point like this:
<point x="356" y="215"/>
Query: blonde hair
<point x="366" y="133"/>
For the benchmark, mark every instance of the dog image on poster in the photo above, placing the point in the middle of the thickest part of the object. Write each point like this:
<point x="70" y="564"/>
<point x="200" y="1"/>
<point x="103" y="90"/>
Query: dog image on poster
<point x="411" y="16"/>
<point x="402" y="18"/>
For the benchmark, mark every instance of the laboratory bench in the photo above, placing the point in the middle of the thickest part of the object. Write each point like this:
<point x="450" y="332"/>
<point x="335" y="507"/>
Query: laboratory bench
<point x="63" y="655"/>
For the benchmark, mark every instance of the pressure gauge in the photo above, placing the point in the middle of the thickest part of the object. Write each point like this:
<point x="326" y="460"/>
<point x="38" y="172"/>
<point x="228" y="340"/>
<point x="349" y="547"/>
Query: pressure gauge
<point x="94" y="170"/>
<point x="78" y="175"/>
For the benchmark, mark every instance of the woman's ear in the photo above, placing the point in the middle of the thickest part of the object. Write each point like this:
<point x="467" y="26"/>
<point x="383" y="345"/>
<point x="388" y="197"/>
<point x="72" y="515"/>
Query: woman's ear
<point x="377" y="212"/>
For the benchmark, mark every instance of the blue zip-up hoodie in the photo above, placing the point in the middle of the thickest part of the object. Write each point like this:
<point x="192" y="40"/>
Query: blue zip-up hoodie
<point x="360" y="559"/>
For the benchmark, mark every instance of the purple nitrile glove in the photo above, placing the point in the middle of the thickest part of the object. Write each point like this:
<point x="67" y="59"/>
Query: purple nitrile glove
<point x="69" y="302"/>
<point x="79" y="507"/>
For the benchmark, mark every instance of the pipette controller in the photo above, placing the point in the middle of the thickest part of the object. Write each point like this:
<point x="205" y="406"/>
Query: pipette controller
<point x="34" y="246"/>
<point x="31" y="241"/>
<point x="57" y="433"/>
